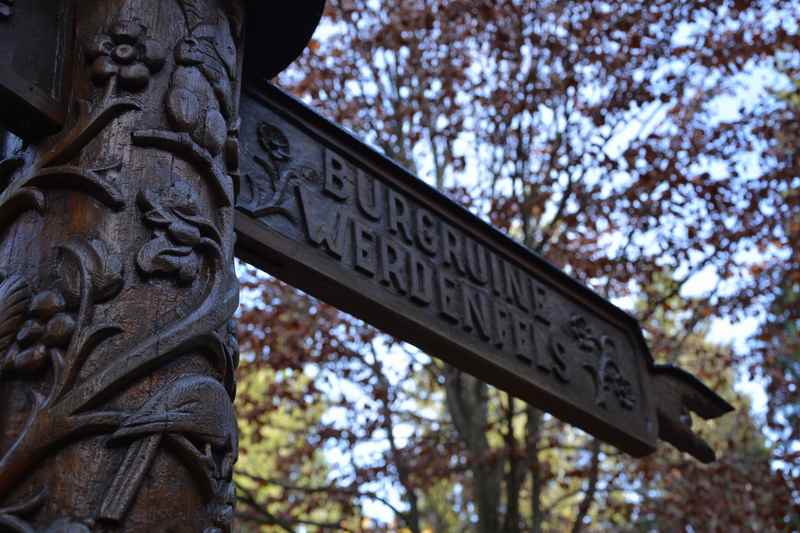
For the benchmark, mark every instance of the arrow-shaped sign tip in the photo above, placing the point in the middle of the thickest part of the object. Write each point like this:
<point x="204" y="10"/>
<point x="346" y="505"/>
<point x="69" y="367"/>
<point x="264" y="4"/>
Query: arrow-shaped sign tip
<point x="678" y="394"/>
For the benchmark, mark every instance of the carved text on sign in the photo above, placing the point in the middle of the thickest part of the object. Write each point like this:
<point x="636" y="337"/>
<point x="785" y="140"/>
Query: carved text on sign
<point x="410" y="252"/>
<point x="386" y="242"/>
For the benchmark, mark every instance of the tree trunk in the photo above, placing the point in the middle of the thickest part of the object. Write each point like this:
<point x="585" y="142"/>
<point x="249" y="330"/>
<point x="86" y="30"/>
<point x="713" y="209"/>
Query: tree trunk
<point x="591" y="488"/>
<point x="467" y="404"/>
<point x="533" y="436"/>
<point x="117" y="284"/>
<point x="515" y="476"/>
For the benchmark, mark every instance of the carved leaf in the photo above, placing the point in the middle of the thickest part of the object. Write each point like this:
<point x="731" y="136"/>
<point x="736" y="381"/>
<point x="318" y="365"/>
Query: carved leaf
<point x="15" y="202"/>
<point x="86" y="343"/>
<point x="184" y="234"/>
<point x="71" y="285"/>
<point x="183" y="108"/>
<point x="214" y="132"/>
<point x="225" y="48"/>
<point x="154" y="215"/>
<point x="15" y="298"/>
<point x="204" y="225"/>
<point x="88" y="127"/>
<point x="162" y="257"/>
<point x="194" y="406"/>
<point x="275" y="144"/>
<point x="206" y="37"/>
<point x="197" y="406"/>
<point x="103" y="269"/>
<point x="157" y="218"/>
<point x="76" y="178"/>
<point x="223" y="90"/>
<point x="106" y="274"/>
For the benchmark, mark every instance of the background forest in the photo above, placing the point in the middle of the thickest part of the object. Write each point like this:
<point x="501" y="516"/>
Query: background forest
<point x="648" y="148"/>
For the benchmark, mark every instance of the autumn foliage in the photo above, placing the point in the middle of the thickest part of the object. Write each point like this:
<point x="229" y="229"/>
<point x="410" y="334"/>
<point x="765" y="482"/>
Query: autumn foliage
<point x="651" y="150"/>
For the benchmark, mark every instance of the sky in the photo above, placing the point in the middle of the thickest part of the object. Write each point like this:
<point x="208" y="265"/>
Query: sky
<point x="721" y="331"/>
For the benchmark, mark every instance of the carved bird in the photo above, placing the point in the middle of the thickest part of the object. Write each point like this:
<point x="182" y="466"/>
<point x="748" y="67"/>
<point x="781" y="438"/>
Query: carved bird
<point x="195" y="410"/>
<point x="200" y="100"/>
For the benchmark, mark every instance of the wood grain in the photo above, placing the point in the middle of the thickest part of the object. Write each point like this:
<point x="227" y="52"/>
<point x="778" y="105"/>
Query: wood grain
<point x="117" y="287"/>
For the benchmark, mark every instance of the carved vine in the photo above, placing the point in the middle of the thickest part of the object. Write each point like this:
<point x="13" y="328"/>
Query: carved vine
<point x="53" y="332"/>
<point x="91" y="276"/>
<point x="122" y="59"/>
<point x="182" y="145"/>
<point x="13" y="518"/>
<point x="271" y="195"/>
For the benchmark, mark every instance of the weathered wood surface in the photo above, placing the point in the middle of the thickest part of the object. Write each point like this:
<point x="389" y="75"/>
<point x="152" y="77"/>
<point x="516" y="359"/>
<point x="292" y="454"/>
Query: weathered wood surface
<point x="325" y="213"/>
<point x="117" y="282"/>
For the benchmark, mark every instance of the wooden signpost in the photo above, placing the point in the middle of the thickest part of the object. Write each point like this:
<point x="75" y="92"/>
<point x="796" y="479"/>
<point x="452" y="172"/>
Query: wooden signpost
<point x="322" y="211"/>
<point x="117" y="288"/>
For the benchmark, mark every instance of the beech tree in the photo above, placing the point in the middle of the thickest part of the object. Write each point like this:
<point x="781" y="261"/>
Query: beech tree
<point x="635" y="145"/>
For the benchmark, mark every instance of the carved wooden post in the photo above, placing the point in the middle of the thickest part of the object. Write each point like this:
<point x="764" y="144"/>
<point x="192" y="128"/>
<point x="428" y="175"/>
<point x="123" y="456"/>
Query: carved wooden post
<point x="117" y="282"/>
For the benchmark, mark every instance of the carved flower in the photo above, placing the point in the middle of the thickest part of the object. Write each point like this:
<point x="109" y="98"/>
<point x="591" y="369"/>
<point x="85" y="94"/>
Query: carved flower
<point x="274" y="143"/>
<point x="48" y="327"/>
<point x="125" y="53"/>
<point x="273" y="194"/>
<point x="580" y="330"/>
<point x="181" y="237"/>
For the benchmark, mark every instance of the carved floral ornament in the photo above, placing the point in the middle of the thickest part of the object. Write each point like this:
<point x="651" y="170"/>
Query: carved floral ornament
<point x="37" y="332"/>
<point x="601" y="363"/>
<point x="181" y="236"/>
<point x="273" y="196"/>
<point x="125" y="54"/>
<point x="51" y="326"/>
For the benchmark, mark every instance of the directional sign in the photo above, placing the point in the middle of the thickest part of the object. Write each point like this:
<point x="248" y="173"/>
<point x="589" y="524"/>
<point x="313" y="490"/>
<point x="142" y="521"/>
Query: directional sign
<point x="35" y="41"/>
<point x="322" y="211"/>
